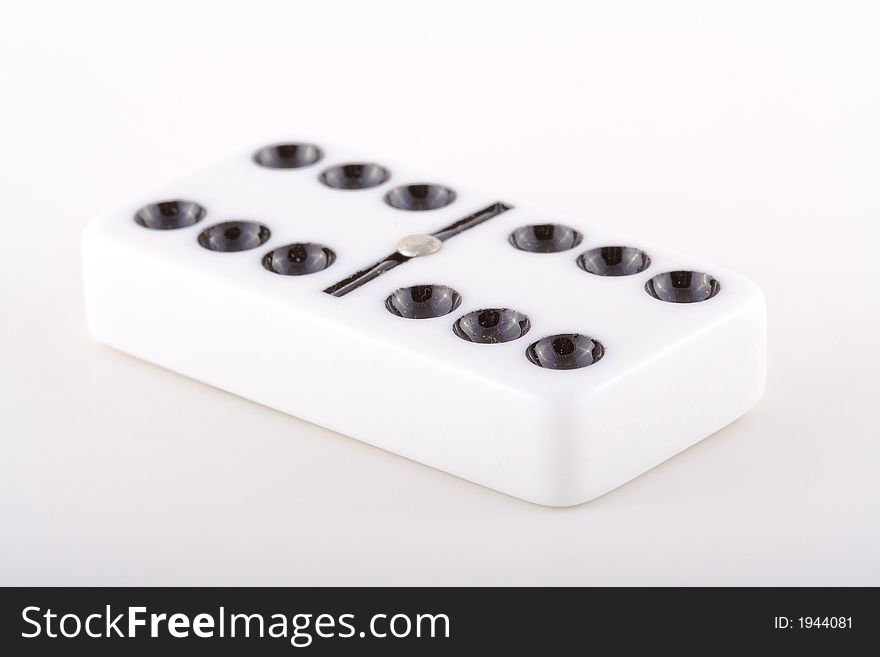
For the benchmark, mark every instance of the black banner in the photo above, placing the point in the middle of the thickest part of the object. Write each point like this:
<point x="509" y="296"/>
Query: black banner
<point x="252" y="621"/>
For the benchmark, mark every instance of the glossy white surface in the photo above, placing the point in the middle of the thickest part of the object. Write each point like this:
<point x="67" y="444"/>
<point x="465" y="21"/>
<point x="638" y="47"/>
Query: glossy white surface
<point x="746" y="136"/>
<point x="671" y="374"/>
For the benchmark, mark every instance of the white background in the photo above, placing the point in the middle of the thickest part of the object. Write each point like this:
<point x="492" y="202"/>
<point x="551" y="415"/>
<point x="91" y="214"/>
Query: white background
<point x="743" y="133"/>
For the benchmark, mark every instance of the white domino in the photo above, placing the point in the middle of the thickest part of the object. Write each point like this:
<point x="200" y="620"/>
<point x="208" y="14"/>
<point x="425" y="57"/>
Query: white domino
<point x="653" y="376"/>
